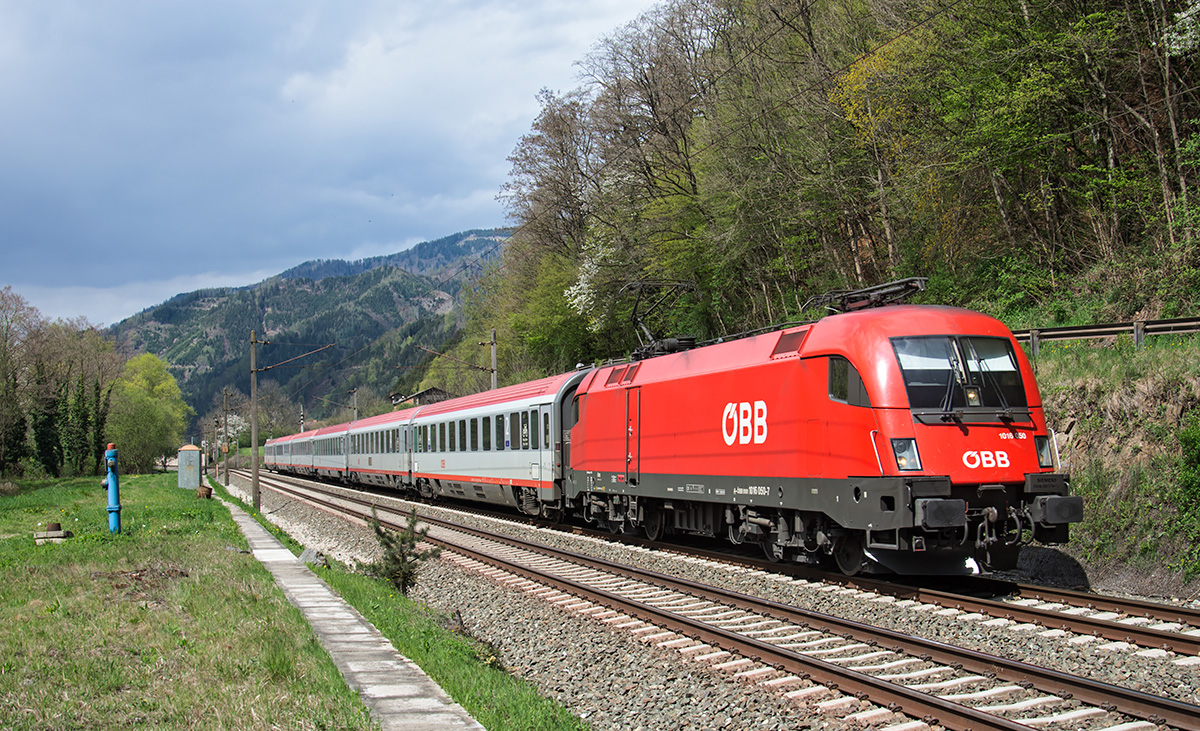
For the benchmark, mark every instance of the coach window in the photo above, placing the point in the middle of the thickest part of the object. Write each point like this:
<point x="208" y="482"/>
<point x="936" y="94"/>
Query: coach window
<point x="487" y="433"/>
<point x="845" y="385"/>
<point x="524" y="430"/>
<point x="462" y="435"/>
<point x="546" y="431"/>
<point x="533" y="429"/>
<point x="453" y="441"/>
<point x="499" y="432"/>
<point x="474" y="435"/>
<point x="514" y="430"/>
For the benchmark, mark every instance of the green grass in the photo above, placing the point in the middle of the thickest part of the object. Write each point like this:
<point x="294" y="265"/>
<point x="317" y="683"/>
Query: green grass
<point x="469" y="670"/>
<point x="1127" y="409"/>
<point x="466" y="668"/>
<point x="166" y="625"/>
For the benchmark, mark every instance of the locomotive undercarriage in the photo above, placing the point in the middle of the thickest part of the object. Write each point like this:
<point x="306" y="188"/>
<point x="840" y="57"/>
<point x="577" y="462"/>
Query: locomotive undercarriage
<point x="933" y="529"/>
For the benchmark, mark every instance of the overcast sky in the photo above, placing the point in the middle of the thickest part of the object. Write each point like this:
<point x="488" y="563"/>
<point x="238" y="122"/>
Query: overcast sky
<point x="150" y="147"/>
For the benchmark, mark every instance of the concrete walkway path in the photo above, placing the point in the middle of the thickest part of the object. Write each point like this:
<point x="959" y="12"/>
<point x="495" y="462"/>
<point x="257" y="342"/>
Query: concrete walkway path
<point x="397" y="692"/>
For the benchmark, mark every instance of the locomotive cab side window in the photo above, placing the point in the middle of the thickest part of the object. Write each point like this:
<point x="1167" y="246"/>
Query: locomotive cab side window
<point x="845" y="384"/>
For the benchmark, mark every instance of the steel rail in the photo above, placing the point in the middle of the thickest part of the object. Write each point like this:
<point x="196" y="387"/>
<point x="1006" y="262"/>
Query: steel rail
<point x="1177" y="714"/>
<point x="1126" y="701"/>
<point x="1052" y="619"/>
<point x="897" y="698"/>
<point x="1132" y="607"/>
<point x="1049" y="618"/>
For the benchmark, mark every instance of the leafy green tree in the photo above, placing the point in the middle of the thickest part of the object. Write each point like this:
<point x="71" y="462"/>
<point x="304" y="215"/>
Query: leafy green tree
<point x="46" y="421"/>
<point x="16" y="319"/>
<point x="148" y="413"/>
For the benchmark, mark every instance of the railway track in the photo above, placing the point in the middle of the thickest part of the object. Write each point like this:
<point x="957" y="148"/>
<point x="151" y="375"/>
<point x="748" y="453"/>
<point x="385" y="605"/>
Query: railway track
<point x="835" y="664"/>
<point x="1157" y="628"/>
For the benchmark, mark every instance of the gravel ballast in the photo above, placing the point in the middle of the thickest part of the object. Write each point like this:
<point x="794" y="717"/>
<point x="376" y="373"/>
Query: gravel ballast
<point x="613" y="681"/>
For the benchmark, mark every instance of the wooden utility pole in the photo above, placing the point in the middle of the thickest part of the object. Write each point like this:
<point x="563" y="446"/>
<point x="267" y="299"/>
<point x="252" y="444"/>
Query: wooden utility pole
<point x="254" y="418"/>
<point x="493" y="359"/>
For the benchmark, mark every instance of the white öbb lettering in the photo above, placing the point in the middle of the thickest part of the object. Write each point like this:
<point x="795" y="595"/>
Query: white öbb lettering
<point x="744" y="423"/>
<point x="975" y="460"/>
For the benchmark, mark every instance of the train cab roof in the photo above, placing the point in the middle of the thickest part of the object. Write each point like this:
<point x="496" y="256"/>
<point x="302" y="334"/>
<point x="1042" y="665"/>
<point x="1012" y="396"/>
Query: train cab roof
<point x="863" y="337"/>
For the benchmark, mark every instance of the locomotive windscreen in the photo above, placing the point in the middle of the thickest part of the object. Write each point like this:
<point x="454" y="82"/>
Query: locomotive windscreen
<point x="958" y="372"/>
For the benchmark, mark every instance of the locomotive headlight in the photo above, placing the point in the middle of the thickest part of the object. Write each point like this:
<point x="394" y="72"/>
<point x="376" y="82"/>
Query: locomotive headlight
<point x="907" y="459"/>
<point x="1045" y="459"/>
<point x="973" y="397"/>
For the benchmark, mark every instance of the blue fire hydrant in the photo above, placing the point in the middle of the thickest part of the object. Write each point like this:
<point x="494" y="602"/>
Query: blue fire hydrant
<point x="113" y="483"/>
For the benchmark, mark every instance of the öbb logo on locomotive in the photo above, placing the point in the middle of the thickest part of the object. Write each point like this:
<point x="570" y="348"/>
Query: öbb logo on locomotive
<point x="744" y="423"/>
<point x="985" y="458"/>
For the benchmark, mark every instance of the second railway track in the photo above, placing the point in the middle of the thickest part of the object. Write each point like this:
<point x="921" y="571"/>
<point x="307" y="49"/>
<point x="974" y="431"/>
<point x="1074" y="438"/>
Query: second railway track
<point x="789" y="647"/>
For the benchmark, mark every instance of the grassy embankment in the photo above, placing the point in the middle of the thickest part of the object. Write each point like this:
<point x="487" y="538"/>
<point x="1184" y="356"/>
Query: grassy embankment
<point x="1129" y="434"/>
<point x="170" y="624"/>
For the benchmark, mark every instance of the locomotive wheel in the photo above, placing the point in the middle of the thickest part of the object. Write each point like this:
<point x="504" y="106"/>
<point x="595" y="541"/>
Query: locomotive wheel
<point x="848" y="553"/>
<point x="655" y="524"/>
<point x="772" y="550"/>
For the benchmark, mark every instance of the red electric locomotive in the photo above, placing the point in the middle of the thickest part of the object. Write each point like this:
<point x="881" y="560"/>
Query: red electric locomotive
<point x="906" y="437"/>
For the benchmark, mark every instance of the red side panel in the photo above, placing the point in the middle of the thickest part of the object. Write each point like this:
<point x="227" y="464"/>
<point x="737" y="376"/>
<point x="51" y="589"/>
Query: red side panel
<point x="747" y="420"/>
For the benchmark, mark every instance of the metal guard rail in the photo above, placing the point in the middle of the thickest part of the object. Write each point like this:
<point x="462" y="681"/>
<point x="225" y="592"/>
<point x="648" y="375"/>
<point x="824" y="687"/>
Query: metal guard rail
<point x="1139" y="329"/>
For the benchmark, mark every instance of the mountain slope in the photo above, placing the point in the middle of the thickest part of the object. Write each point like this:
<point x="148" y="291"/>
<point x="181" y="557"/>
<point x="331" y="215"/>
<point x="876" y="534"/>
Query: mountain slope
<point x="377" y="311"/>
<point x="431" y="258"/>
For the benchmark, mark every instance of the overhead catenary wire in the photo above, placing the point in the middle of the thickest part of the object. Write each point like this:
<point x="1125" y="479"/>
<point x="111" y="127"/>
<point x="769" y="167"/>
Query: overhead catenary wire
<point x="629" y="146"/>
<point x="692" y="154"/>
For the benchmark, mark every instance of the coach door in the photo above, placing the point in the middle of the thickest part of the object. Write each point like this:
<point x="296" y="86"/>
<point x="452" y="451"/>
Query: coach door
<point x="633" y="435"/>
<point x="547" y="453"/>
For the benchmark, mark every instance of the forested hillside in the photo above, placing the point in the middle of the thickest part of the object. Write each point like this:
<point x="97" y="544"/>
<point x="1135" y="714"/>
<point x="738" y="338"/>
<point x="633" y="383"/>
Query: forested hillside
<point x="1034" y="159"/>
<point x="374" y="315"/>
<point x="431" y="258"/>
